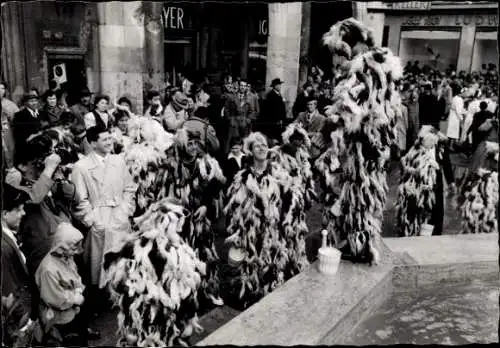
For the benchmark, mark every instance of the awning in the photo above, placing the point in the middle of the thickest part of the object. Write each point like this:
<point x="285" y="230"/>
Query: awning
<point x="486" y="35"/>
<point x="430" y="35"/>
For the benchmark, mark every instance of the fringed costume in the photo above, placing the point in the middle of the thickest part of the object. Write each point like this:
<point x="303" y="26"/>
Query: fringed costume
<point x="179" y="196"/>
<point x="155" y="278"/>
<point x="266" y="221"/>
<point x="365" y="103"/>
<point x="420" y="193"/>
<point x="480" y="195"/>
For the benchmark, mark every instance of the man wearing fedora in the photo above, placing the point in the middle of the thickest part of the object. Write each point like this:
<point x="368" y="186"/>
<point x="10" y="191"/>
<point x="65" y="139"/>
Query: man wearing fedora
<point x="26" y="122"/>
<point x="176" y="111"/>
<point x="272" y="121"/>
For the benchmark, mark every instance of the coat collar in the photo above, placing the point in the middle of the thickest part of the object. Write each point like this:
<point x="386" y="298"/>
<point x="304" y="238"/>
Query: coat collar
<point x="9" y="238"/>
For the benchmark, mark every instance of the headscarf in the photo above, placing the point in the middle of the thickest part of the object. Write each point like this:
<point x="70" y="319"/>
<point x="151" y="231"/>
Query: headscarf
<point x="65" y="236"/>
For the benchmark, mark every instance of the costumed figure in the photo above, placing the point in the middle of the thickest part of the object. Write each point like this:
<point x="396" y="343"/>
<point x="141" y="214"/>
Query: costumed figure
<point x="178" y="167"/>
<point x="268" y="243"/>
<point x="365" y="107"/>
<point x="480" y="195"/>
<point x="420" y="193"/>
<point x="154" y="279"/>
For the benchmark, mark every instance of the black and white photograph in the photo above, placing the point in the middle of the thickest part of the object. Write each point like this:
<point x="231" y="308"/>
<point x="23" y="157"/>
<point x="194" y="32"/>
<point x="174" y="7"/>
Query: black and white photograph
<point x="207" y="173"/>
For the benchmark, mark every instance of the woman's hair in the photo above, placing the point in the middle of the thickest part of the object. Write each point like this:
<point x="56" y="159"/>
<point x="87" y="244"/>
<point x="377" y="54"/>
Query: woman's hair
<point x="119" y="114"/>
<point x="99" y="98"/>
<point x="93" y="133"/>
<point x="49" y="93"/>
<point x="152" y="94"/>
<point x="253" y="138"/>
<point x="125" y="100"/>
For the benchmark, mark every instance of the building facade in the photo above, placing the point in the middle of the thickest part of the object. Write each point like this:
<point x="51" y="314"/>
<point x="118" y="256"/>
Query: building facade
<point x="128" y="48"/>
<point x="462" y="34"/>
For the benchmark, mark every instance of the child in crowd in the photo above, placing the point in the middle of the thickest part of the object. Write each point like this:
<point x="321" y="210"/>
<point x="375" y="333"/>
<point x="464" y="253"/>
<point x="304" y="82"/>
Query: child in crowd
<point x="61" y="290"/>
<point x="235" y="161"/>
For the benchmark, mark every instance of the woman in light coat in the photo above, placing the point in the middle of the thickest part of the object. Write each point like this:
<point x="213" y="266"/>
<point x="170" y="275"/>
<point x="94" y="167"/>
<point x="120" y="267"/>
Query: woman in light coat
<point x="456" y="116"/>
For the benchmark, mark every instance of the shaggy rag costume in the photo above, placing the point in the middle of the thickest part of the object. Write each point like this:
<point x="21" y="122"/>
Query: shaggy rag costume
<point x="480" y="192"/>
<point x="266" y="221"/>
<point x="365" y="103"/>
<point x="160" y="166"/>
<point x="420" y="193"/>
<point x="155" y="278"/>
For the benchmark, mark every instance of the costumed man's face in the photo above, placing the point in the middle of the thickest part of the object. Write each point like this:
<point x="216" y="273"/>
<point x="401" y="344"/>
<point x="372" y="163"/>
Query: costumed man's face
<point x="13" y="218"/>
<point x="429" y="141"/>
<point x="104" y="143"/>
<point x="73" y="248"/>
<point x="52" y="101"/>
<point x="311" y="106"/>
<point x="260" y="150"/>
<point x="192" y="148"/>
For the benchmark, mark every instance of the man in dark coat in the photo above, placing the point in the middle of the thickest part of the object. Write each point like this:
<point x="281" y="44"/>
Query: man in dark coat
<point x="300" y="104"/>
<point x="26" y="122"/>
<point x="428" y="108"/>
<point x="272" y="121"/>
<point x="479" y="118"/>
<point x="15" y="278"/>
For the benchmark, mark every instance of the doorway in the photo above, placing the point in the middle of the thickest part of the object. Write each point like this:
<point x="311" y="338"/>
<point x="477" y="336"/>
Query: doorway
<point x="76" y="78"/>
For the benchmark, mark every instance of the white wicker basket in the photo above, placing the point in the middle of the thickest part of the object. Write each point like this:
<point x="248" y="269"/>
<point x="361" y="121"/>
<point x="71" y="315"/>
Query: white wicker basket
<point x="426" y="230"/>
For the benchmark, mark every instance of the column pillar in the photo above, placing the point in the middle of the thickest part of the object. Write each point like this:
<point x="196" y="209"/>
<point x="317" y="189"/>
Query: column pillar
<point x="283" y="47"/>
<point x="154" y="46"/>
<point x="13" y="53"/>
<point x="466" y="47"/>
<point x="360" y="11"/>
<point x="121" y="46"/>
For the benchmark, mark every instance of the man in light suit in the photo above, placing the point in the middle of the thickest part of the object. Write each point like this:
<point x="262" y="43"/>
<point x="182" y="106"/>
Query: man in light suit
<point x="313" y="122"/>
<point x="105" y="192"/>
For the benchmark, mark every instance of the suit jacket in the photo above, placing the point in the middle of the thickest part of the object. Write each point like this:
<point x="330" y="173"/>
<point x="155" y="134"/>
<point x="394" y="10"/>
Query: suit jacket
<point x="24" y="125"/>
<point x="15" y="278"/>
<point x="316" y="123"/>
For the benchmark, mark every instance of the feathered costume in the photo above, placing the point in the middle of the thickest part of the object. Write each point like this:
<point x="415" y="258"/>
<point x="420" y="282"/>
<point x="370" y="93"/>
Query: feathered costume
<point x="480" y="194"/>
<point x="365" y="104"/>
<point x="266" y="220"/>
<point x="173" y="196"/>
<point x="416" y="192"/>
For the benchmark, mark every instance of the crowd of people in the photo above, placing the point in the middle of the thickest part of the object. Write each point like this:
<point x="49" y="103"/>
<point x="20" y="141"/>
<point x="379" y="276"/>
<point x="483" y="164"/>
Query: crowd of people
<point x="79" y="179"/>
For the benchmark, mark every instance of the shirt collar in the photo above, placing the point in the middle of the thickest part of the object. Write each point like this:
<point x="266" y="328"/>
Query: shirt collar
<point x="9" y="233"/>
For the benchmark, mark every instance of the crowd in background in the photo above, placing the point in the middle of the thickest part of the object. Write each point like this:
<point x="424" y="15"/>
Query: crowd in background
<point x="43" y="242"/>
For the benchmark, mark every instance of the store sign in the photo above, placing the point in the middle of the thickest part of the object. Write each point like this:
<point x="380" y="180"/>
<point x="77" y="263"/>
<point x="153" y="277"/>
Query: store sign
<point x="263" y="27"/>
<point x="173" y="18"/>
<point x="411" y="5"/>
<point x="458" y="20"/>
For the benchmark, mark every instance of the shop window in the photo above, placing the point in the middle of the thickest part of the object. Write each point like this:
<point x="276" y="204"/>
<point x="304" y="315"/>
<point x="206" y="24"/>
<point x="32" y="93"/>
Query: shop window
<point x="485" y="49"/>
<point x="435" y="48"/>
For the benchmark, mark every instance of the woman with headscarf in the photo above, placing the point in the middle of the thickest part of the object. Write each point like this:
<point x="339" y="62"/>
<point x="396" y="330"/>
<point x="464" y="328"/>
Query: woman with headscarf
<point x="61" y="289"/>
<point x="265" y="249"/>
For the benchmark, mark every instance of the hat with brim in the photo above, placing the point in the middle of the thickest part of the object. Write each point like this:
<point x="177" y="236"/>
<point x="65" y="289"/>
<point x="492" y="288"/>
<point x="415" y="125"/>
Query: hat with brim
<point x="85" y="92"/>
<point x="31" y="95"/>
<point x="276" y="82"/>
<point x="180" y="101"/>
<point x="13" y="197"/>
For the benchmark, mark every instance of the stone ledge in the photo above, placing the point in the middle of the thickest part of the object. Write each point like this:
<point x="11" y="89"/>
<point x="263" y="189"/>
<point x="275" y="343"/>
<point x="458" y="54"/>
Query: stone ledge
<point x="312" y="309"/>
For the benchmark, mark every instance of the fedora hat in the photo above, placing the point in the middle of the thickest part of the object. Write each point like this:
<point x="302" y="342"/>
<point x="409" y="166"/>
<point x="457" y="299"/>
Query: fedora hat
<point x="31" y="95"/>
<point x="276" y="82"/>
